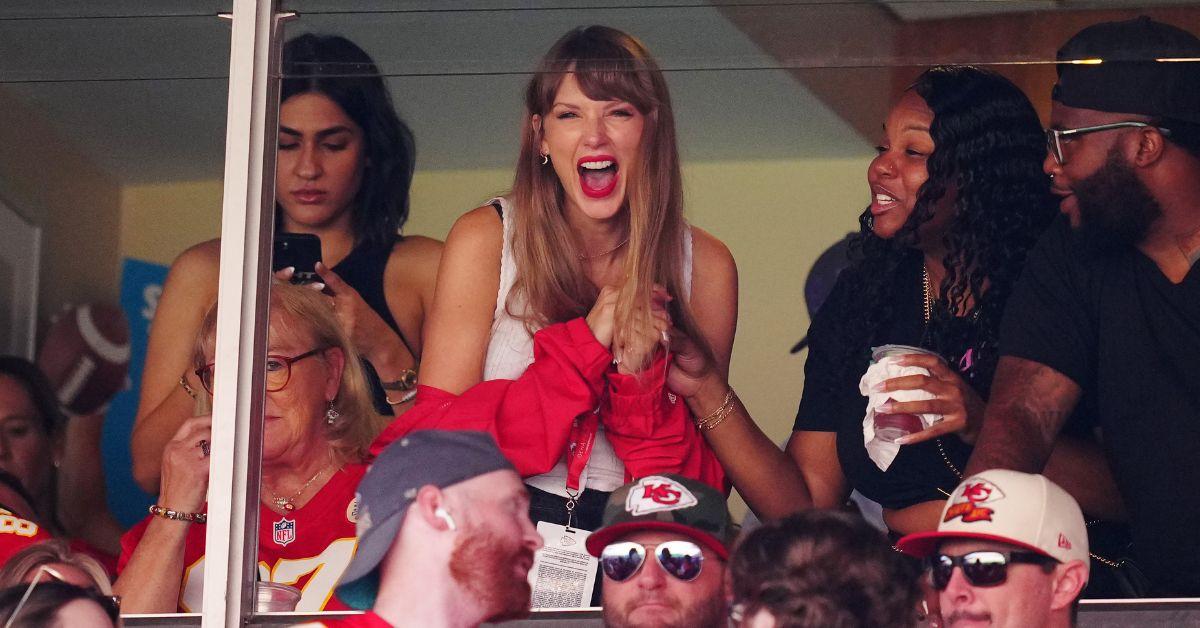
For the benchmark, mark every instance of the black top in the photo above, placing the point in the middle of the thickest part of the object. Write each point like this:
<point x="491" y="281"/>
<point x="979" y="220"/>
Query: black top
<point x="832" y="402"/>
<point x="1131" y="339"/>
<point x="363" y="270"/>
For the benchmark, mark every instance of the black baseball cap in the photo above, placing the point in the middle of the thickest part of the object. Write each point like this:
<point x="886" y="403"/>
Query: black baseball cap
<point x="1145" y="67"/>
<point x="423" y="458"/>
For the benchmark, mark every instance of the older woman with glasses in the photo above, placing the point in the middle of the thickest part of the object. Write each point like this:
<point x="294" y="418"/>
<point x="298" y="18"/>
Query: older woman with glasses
<point x="318" y="422"/>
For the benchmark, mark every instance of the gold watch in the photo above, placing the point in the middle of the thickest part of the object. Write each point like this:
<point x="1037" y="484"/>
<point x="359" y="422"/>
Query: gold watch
<point x="406" y="382"/>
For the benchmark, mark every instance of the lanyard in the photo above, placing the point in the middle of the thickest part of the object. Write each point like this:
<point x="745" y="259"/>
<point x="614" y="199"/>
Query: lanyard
<point x="583" y="438"/>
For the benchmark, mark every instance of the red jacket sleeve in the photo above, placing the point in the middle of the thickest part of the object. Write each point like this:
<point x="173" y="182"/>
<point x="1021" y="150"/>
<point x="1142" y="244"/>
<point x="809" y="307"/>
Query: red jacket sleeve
<point x="531" y="416"/>
<point x="653" y="434"/>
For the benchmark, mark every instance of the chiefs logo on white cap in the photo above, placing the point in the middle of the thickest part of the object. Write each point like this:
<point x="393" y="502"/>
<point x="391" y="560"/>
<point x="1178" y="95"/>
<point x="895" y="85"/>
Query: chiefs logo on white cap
<point x="975" y="492"/>
<point x="656" y="494"/>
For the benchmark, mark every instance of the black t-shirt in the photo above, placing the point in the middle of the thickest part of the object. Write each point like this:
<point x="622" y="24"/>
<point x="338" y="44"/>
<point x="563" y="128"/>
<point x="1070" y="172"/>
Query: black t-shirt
<point x="832" y="403"/>
<point x="1130" y="339"/>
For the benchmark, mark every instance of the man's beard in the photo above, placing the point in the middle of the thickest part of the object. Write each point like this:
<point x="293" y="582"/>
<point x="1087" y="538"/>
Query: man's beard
<point x="1116" y="209"/>
<point x="482" y="563"/>
<point x="707" y="612"/>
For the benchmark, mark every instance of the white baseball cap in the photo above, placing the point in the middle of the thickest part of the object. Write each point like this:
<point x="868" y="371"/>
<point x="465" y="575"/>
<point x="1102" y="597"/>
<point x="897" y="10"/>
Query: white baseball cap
<point x="1021" y="509"/>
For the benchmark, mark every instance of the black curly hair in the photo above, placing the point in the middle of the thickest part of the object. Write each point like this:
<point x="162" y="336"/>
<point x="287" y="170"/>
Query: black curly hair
<point x="988" y="151"/>
<point x="826" y="569"/>
<point x="338" y="69"/>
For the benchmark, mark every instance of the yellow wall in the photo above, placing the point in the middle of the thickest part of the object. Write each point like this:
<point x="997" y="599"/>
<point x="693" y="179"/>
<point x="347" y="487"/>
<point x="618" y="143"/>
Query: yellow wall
<point x="775" y="216"/>
<point x="48" y="181"/>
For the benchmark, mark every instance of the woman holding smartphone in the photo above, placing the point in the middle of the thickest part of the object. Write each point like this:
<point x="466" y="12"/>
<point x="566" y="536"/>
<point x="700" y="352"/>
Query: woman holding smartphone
<point x="343" y="172"/>
<point x="554" y="301"/>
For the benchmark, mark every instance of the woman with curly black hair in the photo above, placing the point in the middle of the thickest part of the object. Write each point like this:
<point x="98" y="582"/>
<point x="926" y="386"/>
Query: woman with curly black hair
<point x="958" y="199"/>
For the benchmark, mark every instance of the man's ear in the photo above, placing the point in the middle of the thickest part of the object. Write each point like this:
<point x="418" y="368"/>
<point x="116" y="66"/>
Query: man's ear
<point x="1069" y="580"/>
<point x="430" y="499"/>
<point x="1151" y="145"/>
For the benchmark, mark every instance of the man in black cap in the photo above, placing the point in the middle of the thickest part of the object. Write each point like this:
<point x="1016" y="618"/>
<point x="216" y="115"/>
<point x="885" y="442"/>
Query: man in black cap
<point x="663" y="550"/>
<point x="444" y="536"/>
<point x="1108" y="313"/>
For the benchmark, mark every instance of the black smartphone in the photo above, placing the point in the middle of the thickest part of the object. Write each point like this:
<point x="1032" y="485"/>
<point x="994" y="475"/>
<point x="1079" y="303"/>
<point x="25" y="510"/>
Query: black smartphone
<point x="301" y="251"/>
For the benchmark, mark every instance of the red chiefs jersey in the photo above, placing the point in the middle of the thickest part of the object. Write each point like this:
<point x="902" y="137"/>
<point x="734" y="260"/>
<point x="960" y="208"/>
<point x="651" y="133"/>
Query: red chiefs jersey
<point x="16" y="534"/>
<point x="308" y="548"/>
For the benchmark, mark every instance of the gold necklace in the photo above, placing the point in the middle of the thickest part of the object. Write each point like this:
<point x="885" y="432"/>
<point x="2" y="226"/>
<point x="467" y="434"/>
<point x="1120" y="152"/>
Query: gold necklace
<point x="288" y="503"/>
<point x="928" y="291"/>
<point x="585" y="257"/>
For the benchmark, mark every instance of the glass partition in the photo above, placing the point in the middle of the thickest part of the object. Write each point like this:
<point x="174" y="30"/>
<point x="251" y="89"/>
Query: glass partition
<point x="112" y="171"/>
<point x="112" y="159"/>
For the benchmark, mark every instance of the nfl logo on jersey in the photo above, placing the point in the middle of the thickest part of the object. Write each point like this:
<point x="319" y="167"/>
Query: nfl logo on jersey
<point x="285" y="531"/>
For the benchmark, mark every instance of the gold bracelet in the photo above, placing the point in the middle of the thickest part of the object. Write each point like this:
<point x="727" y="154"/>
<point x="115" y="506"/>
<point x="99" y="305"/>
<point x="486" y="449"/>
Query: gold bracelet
<point x="708" y="426"/>
<point x="724" y="402"/>
<point x="187" y="388"/>
<point x="720" y="414"/>
<point x="717" y="420"/>
<point x="175" y="515"/>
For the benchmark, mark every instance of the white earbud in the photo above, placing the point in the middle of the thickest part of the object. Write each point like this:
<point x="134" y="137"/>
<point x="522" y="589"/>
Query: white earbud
<point x="441" y="513"/>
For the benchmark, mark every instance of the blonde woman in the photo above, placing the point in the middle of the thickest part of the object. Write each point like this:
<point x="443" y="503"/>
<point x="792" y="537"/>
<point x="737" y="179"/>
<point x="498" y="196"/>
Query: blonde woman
<point x="60" y="562"/>
<point x="318" y="422"/>
<point x="559" y="296"/>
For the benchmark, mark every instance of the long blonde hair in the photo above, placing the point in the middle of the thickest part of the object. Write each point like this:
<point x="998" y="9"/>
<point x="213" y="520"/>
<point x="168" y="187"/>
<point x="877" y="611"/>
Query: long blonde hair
<point x="302" y="311"/>
<point x="608" y="64"/>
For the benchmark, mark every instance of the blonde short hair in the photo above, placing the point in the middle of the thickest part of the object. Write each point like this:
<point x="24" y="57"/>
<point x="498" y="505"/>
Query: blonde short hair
<point x="302" y="311"/>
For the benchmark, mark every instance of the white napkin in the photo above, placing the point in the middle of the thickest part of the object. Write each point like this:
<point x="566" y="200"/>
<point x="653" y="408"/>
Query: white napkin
<point x="883" y="453"/>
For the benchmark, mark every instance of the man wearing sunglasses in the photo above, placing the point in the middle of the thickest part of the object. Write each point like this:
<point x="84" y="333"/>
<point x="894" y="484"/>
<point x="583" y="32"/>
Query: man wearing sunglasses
<point x="663" y="549"/>
<point x="1108" y="313"/>
<point x="1011" y="550"/>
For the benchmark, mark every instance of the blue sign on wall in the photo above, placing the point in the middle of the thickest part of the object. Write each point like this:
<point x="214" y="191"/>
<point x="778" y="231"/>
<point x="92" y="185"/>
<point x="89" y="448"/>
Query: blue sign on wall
<point x="141" y="285"/>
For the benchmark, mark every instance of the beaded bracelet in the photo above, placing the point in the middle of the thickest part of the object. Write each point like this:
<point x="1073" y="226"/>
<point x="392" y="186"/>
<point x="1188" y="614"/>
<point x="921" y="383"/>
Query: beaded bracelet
<point x="175" y="515"/>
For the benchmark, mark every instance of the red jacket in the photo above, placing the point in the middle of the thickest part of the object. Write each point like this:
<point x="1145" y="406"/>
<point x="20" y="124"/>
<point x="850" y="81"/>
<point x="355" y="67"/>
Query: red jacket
<point x="534" y="417"/>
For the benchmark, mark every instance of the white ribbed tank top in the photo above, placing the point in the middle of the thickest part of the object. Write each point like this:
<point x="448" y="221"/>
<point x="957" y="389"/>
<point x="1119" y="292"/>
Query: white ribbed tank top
<point x="510" y="352"/>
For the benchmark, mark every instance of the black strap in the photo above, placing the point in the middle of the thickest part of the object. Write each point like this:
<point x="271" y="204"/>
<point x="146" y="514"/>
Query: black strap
<point x="499" y="209"/>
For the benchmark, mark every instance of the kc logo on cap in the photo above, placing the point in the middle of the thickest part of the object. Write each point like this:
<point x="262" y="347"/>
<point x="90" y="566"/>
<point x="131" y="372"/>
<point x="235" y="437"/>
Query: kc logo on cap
<point x="975" y="492"/>
<point x="657" y="494"/>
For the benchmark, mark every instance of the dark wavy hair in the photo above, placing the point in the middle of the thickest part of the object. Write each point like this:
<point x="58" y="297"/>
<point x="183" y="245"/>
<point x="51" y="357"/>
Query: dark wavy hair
<point x="50" y="418"/>
<point x="337" y="68"/>
<point x="988" y="151"/>
<point x="825" y="569"/>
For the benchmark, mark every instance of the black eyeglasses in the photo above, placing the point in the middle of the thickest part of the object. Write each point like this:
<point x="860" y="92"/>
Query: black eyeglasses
<point x="983" y="568"/>
<point x="278" y="368"/>
<point x="681" y="559"/>
<point x="1055" y="138"/>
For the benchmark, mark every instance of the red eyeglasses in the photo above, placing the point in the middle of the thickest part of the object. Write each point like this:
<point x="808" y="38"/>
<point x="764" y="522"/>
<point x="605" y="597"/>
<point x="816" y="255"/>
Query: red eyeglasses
<point x="277" y="367"/>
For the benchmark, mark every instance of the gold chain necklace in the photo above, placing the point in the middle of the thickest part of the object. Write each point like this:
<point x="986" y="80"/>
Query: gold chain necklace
<point x="585" y="257"/>
<point x="288" y="503"/>
<point x="927" y="291"/>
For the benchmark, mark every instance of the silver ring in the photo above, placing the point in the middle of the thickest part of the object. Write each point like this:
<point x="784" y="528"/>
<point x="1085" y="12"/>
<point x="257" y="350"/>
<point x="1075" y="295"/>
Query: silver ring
<point x="666" y="338"/>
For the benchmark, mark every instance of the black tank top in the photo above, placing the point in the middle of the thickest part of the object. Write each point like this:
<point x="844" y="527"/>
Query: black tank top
<point x="363" y="270"/>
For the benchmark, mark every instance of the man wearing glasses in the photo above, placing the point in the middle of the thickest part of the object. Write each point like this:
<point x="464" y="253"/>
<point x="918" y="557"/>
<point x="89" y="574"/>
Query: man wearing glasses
<point x="1107" y="314"/>
<point x="663" y="549"/>
<point x="1011" y="550"/>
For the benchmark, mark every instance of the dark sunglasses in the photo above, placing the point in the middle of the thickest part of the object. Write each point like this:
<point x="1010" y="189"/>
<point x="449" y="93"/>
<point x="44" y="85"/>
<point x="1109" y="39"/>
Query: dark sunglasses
<point x="681" y="559"/>
<point x="981" y="569"/>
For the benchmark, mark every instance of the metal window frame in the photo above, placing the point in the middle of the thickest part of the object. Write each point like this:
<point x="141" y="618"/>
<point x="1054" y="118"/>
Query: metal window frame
<point x="247" y="210"/>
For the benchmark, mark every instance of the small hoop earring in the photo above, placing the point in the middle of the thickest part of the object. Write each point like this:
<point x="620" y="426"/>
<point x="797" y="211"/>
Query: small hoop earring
<point x="331" y="414"/>
<point x="545" y="158"/>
